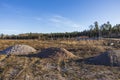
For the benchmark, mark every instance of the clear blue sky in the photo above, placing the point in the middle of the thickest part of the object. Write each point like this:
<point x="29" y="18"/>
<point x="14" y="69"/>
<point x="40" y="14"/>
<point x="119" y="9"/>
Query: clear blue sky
<point x="45" y="16"/>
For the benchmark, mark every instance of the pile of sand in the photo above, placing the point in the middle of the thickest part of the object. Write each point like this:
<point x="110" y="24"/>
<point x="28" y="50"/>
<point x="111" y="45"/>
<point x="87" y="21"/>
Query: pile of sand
<point x="56" y="53"/>
<point x="109" y="58"/>
<point x="19" y="50"/>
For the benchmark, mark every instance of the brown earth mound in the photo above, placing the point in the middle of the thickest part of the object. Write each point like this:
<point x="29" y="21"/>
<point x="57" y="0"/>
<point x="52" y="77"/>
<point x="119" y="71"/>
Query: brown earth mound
<point x="56" y="53"/>
<point x="19" y="50"/>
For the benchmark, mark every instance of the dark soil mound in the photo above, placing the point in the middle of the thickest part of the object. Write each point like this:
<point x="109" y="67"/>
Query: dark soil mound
<point x="109" y="58"/>
<point x="56" y="53"/>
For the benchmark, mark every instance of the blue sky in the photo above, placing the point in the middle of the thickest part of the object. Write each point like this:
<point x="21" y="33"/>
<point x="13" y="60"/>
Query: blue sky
<point x="46" y="16"/>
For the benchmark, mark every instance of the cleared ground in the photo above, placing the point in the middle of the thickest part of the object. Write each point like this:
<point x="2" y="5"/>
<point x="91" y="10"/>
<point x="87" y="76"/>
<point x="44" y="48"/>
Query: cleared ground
<point x="35" y="68"/>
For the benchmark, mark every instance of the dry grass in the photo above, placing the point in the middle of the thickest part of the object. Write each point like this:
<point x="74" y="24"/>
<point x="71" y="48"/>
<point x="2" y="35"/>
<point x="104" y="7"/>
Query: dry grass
<point x="44" y="44"/>
<point x="2" y="57"/>
<point x="79" y="48"/>
<point x="34" y="68"/>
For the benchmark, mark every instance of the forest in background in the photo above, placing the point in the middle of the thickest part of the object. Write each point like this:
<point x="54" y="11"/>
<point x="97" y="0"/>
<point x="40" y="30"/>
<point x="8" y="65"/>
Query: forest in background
<point x="105" y="30"/>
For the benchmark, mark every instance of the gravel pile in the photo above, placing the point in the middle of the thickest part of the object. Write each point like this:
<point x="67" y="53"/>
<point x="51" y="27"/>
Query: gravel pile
<point x="109" y="58"/>
<point x="19" y="50"/>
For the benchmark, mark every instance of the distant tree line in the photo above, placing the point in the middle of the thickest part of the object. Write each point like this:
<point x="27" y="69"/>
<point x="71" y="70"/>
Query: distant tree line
<point x="42" y="36"/>
<point x="105" y="30"/>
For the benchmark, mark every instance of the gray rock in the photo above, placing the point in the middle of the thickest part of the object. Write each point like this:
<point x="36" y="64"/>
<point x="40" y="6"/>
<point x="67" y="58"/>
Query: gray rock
<point x="19" y="50"/>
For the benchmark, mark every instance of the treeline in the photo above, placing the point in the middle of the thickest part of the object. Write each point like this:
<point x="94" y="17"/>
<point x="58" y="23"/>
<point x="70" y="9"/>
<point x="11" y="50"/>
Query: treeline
<point x="105" y="30"/>
<point x="43" y="36"/>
